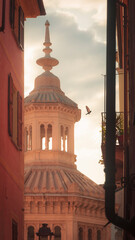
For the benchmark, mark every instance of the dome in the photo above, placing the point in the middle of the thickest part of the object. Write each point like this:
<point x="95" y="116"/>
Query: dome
<point x="49" y="96"/>
<point x="55" y="180"/>
<point x="47" y="79"/>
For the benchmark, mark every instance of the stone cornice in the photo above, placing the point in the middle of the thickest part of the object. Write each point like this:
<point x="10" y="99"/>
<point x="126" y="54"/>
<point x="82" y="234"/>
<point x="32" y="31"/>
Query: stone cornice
<point x="53" y="107"/>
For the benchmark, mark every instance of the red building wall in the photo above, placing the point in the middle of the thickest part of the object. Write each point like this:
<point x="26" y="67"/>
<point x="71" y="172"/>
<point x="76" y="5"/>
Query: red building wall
<point x="11" y="157"/>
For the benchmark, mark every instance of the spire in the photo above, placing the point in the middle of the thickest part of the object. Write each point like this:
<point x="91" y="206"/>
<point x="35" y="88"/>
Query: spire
<point x="47" y="62"/>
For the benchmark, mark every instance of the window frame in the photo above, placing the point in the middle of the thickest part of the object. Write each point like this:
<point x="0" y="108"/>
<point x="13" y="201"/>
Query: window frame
<point x="14" y="114"/>
<point x="2" y="27"/>
<point x="14" y="230"/>
<point x="21" y="28"/>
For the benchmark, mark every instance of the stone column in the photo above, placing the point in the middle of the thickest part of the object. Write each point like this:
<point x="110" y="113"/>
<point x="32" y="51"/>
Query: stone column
<point x="71" y="139"/>
<point x="37" y="136"/>
<point x="75" y="232"/>
<point x="34" y="137"/>
<point x="55" y="137"/>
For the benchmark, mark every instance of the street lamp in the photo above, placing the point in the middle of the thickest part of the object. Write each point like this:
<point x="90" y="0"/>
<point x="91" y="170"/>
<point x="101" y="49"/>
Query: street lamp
<point x="44" y="232"/>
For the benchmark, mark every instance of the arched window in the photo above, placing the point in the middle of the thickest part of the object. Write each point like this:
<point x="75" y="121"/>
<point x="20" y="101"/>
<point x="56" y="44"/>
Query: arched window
<point x="80" y="233"/>
<point x="42" y="137"/>
<point x="26" y="139"/>
<point x="30" y="138"/>
<point x="30" y="233"/>
<point x="98" y="235"/>
<point x="66" y="139"/>
<point x="32" y="207"/>
<point x="89" y="234"/>
<point x="49" y="136"/>
<point x="57" y="233"/>
<point x="62" y="138"/>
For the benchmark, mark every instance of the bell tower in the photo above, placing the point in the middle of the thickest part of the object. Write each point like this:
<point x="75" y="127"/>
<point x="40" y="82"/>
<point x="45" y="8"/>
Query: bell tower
<point x="49" y="117"/>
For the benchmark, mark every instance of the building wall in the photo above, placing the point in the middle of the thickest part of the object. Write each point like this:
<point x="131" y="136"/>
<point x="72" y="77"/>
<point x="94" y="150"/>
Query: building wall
<point x="11" y="151"/>
<point x="11" y="159"/>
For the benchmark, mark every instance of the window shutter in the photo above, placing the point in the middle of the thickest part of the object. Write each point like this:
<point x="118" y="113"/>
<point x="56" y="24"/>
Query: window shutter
<point x="10" y="105"/>
<point x="12" y="13"/>
<point x="19" y="121"/>
<point x="21" y="28"/>
<point x="2" y="13"/>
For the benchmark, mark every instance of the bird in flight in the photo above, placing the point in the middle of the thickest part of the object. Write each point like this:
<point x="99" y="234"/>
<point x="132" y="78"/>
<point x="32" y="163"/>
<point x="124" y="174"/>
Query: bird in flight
<point x="88" y="110"/>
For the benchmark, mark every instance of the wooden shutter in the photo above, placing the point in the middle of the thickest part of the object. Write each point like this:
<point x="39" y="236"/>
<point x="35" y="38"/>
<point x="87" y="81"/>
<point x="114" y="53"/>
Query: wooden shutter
<point x="19" y="121"/>
<point x="21" y="28"/>
<point x="10" y="105"/>
<point x="2" y="15"/>
<point x="12" y="13"/>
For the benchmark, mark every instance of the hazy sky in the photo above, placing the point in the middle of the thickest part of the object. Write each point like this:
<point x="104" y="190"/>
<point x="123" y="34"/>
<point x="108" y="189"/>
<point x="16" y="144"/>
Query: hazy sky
<point x="78" y="36"/>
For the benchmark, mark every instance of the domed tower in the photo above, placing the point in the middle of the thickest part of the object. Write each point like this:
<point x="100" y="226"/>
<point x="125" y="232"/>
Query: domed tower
<point x="56" y="193"/>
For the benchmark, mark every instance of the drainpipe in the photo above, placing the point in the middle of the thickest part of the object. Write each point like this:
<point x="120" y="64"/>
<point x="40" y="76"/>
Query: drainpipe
<point x="110" y="125"/>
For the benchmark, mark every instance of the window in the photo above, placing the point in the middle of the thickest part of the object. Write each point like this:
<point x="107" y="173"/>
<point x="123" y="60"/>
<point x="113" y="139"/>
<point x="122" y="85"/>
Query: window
<point x="17" y="22"/>
<point x="89" y="234"/>
<point x="21" y="28"/>
<point x="14" y="230"/>
<point x="30" y="235"/>
<point x="2" y="15"/>
<point x="98" y="235"/>
<point x="80" y="233"/>
<point x="57" y="233"/>
<point x="12" y="13"/>
<point x="14" y="114"/>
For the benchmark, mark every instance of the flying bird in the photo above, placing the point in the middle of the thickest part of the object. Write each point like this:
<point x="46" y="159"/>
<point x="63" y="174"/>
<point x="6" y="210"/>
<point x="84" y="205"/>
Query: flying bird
<point x="88" y="110"/>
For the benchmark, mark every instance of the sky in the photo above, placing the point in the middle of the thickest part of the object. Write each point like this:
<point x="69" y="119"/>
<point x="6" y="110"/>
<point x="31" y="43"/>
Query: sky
<point x="78" y="37"/>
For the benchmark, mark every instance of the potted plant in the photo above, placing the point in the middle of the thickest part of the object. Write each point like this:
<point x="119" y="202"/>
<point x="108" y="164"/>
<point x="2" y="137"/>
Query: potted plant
<point x="119" y="128"/>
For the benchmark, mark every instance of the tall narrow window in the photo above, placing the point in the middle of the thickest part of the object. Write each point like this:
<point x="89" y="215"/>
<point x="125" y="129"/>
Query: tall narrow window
<point x="80" y="233"/>
<point x="49" y="136"/>
<point x="14" y="230"/>
<point x="62" y="139"/>
<point x="21" y="28"/>
<point x="25" y="139"/>
<point x="30" y="235"/>
<point x="57" y="233"/>
<point x="14" y="114"/>
<point x="98" y="235"/>
<point x="42" y="137"/>
<point x="12" y="13"/>
<point x="89" y="234"/>
<point x="30" y="138"/>
<point x="10" y="105"/>
<point x="19" y="121"/>
<point x="66" y="139"/>
<point x="2" y="15"/>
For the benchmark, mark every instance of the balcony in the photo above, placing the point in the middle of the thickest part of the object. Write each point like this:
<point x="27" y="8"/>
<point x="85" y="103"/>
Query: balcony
<point x="119" y="150"/>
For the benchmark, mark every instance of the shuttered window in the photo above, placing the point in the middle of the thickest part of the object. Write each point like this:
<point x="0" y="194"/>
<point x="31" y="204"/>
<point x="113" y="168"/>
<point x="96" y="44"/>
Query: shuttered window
<point x="19" y="121"/>
<point x="21" y="28"/>
<point x="2" y="15"/>
<point x="10" y="105"/>
<point x="12" y="13"/>
<point x="14" y="114"/>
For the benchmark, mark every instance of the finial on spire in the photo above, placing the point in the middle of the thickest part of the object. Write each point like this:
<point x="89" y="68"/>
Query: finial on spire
<point x="47" y="62"/>
<point x="47" y="35"/>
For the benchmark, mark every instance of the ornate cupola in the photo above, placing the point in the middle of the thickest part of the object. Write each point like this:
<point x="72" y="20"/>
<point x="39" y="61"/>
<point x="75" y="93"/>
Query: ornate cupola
<point x="55" y="192"/>
<point x="49" y="117"/>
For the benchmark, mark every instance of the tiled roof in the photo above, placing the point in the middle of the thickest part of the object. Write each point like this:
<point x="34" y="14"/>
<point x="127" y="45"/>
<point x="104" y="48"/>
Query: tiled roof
<point x="55" y="180"/>
<point x="49" y="97"/>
